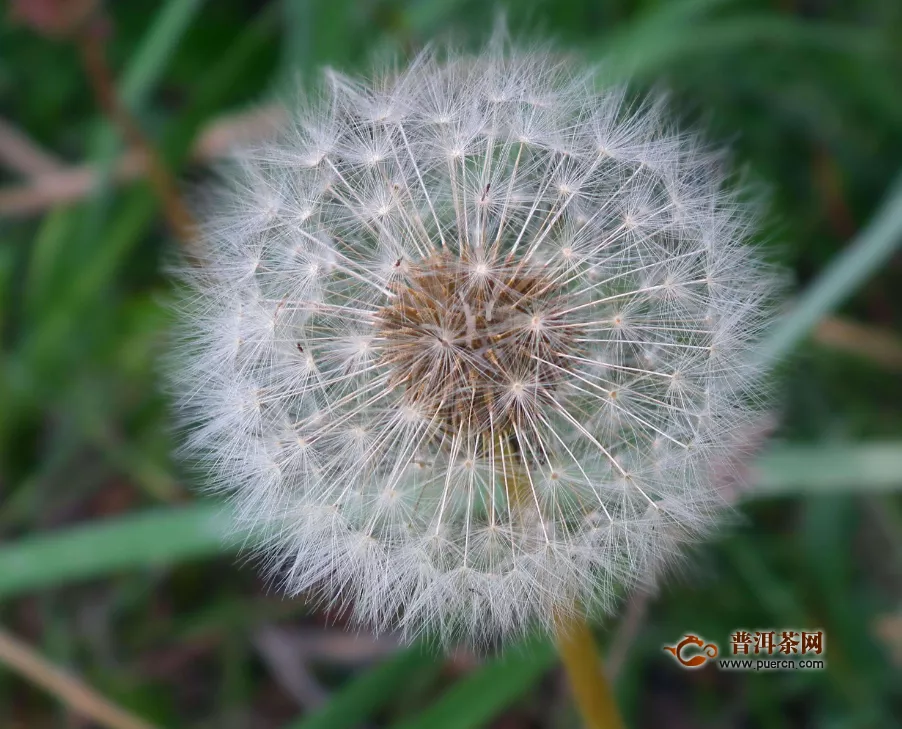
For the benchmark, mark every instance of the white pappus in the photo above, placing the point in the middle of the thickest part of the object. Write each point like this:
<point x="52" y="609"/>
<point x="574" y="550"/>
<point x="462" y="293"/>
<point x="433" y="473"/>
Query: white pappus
<point x="465" y="341"/>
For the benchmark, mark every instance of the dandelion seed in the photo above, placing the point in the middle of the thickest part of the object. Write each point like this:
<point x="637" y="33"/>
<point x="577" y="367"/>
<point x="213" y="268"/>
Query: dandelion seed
<point x="466" y="341"/>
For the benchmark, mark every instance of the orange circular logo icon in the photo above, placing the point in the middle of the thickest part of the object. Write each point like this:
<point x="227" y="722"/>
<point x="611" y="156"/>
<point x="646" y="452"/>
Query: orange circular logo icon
<point x="708" y="650"/>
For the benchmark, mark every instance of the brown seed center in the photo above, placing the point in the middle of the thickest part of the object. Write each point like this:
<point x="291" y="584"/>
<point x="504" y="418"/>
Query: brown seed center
<point x="474" y="345"/>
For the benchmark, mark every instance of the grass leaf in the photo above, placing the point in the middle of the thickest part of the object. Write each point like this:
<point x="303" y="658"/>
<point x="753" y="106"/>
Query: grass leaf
<point x="870" y="249"/>
<point x="828" y="468"/>
<point x="483" y="694"/>
<point x="367" y="693"/>
<point x="149" y="539"/>
<point x="157" y="47"/>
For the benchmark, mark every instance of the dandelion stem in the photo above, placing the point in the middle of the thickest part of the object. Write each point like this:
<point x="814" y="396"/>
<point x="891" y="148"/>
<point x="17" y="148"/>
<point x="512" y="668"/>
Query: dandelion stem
<point x="576" y="644"/>
<point x="585" y="671"/>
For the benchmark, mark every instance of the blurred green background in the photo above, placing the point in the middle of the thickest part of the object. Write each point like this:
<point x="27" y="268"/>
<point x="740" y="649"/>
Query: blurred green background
<point x="111" y="569"/>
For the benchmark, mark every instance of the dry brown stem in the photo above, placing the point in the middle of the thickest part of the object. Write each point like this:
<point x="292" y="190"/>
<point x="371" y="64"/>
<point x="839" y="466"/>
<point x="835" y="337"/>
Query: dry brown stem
<point x="76" y="695"/>
<point x="877" y="345"/>
<point x="71" y="184"/>
<point x="93" y="55"/>
<point x="20" y="154"/>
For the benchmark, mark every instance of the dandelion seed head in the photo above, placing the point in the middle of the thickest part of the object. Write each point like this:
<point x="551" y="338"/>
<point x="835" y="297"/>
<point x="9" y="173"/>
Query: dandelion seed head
<point x="466" y="341"/>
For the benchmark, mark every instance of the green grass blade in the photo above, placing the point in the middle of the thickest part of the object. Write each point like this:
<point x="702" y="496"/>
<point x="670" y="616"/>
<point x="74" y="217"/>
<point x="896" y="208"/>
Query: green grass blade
<point x="369" y="692"/>
<point x="297" y="38"/>
<point x="870" y="249"/>
<point x="791" y="470"/>
<point x="316" y="34"/>
<point x="426" y="16"/>
<point x="479" y="697"/>
<point x="156" y="49"/>
<point x="51" y="237"/>
<point x="653" y="43"/>
<point x="149" y="539"/>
